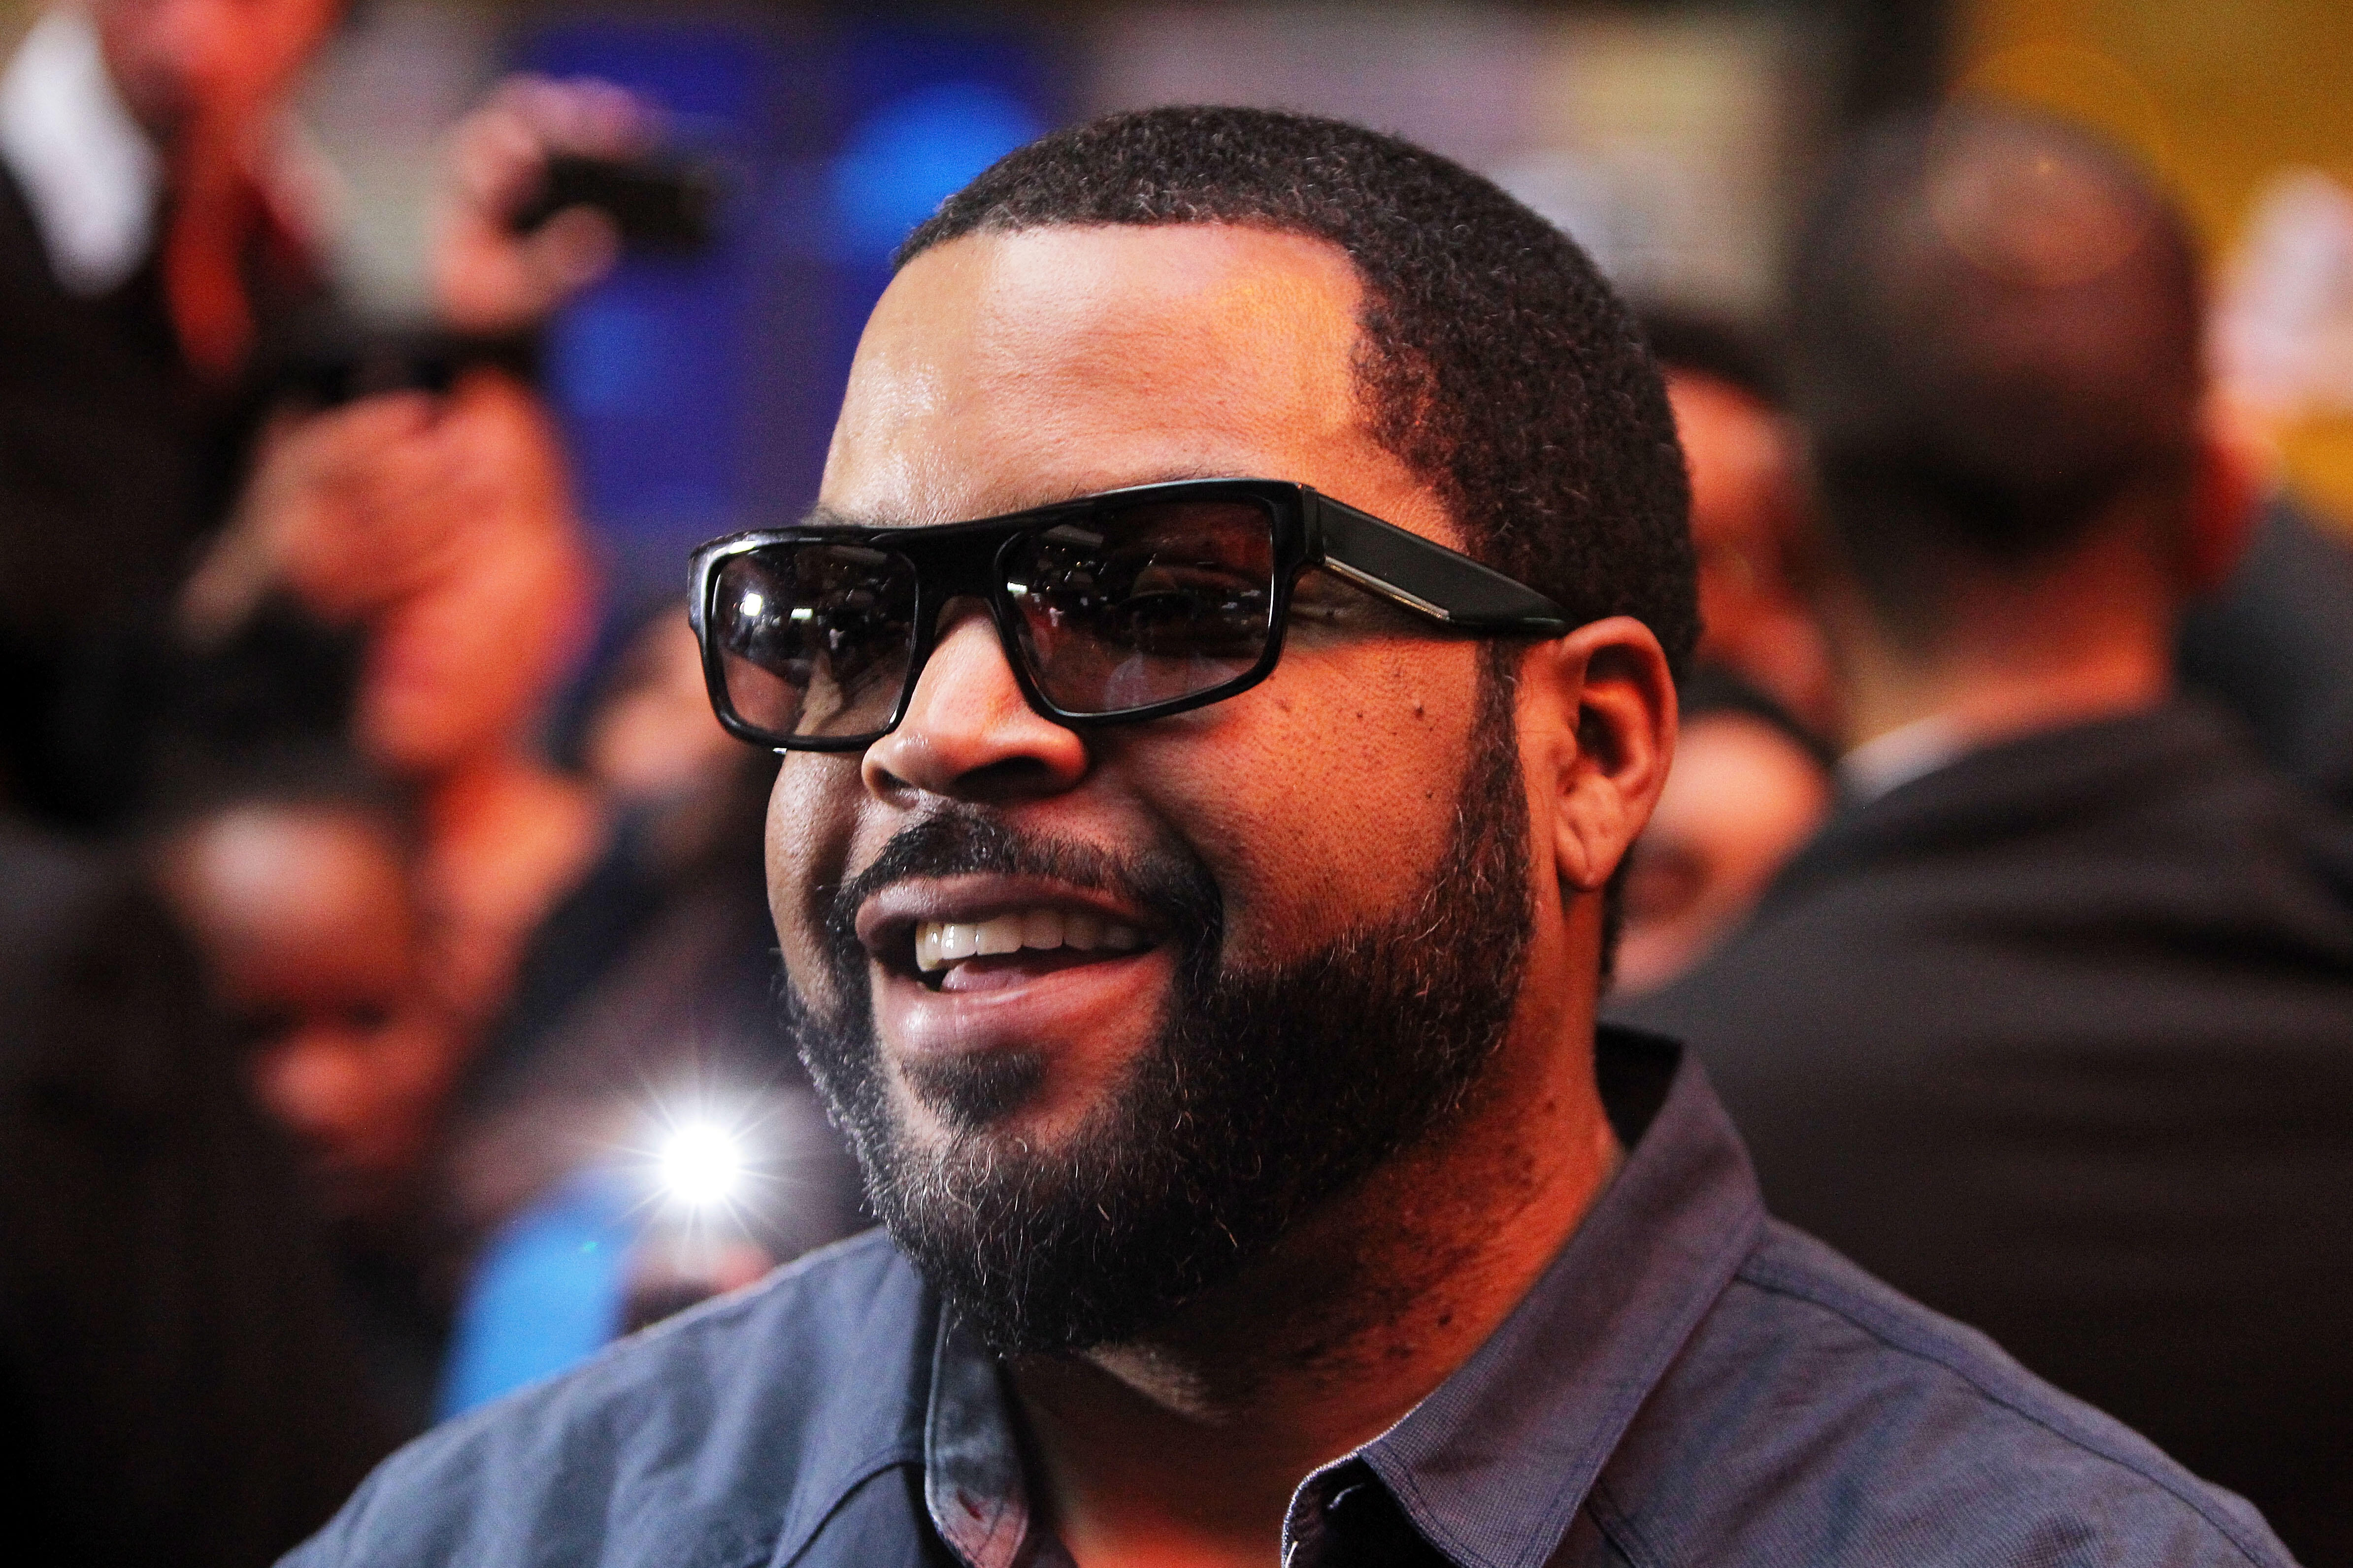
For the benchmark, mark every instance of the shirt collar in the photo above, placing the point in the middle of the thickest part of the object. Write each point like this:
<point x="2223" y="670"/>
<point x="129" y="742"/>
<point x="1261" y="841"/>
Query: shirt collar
<point x="973" y="1483"/>
<point x="1492" y="1466"/>
<point x="89" y="175"/>
<point x="1893" y="760"/>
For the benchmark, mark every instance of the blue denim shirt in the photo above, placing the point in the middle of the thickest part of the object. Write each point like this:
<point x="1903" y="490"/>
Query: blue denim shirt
<point x="1689" y="1382"/>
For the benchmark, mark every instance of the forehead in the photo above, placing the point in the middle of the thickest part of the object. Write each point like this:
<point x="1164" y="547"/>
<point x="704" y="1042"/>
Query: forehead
<point x="299" y="901"/>
<point x="1004" y="370"/>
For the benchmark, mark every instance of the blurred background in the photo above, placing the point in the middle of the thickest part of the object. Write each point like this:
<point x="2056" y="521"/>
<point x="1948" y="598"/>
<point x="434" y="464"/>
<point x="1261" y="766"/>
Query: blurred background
<point x="387" y="811"/>
<point x="1673" y="138"/>
<point x="696" y="393"/>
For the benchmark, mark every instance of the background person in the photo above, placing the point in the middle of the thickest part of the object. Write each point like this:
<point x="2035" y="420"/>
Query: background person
<point x="159" y="228"/>
<point x="178" y="1381"/>
<point x="1751" y="515"/>
<point x="2053" y="1024"/>
<point x="154" y="231"/>
<point x="440" y="531"/>
<point x="1749" y="786"/>
<point x="2275" y="645"/>
<point x="296" y="876"/>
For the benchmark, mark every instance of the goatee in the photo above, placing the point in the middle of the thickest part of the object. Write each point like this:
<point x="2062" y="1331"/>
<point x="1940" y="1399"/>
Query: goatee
<point x="1270" y="1089"/>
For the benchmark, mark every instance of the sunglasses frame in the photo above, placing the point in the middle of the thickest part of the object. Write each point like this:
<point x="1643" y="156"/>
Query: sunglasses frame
<point x="962" y="560"/>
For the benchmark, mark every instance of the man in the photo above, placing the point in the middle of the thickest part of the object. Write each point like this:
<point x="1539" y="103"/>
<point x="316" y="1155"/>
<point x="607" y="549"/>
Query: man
<point x="1192" y="900"/>
<point x="158" y="243"/>
<point x="1749" y="519"/>
<point x="176" y="1381"/>
<point x="1750" y="786"/>
<point x="146" y="240"/>
<point x="2052" y="1026"/>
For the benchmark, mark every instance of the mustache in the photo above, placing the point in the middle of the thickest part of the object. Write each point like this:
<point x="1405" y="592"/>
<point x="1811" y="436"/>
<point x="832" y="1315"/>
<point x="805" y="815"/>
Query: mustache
<point x="1175" y="885"/>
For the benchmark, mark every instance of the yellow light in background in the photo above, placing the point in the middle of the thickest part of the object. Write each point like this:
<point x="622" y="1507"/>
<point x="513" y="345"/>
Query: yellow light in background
<point x="2079" y="84"/>
<point x="2224" y="97"/>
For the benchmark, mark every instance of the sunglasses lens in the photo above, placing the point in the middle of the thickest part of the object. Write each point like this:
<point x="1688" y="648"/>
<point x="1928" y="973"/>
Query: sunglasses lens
<point x="813" y="640"/>
<point x="1145" y="604"/>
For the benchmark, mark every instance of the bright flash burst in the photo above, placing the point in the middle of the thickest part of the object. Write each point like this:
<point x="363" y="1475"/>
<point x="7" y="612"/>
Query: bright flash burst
<point x="702" y="1165"/>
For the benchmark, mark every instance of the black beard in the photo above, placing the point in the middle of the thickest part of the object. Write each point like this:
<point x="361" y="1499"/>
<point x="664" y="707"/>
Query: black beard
<point x="1272" y="1089"/>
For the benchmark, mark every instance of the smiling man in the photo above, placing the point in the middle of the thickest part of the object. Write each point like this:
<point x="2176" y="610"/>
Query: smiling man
<point x="1230" y="657"/>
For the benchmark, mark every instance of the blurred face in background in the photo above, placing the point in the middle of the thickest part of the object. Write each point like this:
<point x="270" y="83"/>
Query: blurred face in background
<point x="652" y="738"/>
<point x="1749" y="525"/>
<point x="305" y="916"/>
<point x="461" y="670"/>
<point x="1741" y="798"/>
<point x="192" y="70"/>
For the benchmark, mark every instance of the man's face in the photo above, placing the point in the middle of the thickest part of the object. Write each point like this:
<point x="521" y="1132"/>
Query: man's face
<point x="303" y="915"/>
<point x="1306" y="904"/>
<point x="181" y="65"/>
<point x="1742" y="798"/>
<point x="1747" y="529"/>
<point x="1741" y="484"/>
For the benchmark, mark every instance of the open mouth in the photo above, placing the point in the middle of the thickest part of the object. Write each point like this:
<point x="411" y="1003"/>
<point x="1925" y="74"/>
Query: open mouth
<point x="1000" y="949"/>
<point x="996" y="932"/>
<point x="984" y="944"/>
<point x="1077" y="934"/>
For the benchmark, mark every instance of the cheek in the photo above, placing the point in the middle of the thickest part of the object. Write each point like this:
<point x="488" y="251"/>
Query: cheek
<point x="1323" y="800"/>
<point x="812" y="827"/>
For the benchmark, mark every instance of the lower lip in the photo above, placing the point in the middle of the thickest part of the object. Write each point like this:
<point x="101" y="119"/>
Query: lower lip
<point x="1012" y="1008"/>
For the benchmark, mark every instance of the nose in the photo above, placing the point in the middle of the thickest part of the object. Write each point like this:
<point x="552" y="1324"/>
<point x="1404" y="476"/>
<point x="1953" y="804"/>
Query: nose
<point x="969" y="734"/>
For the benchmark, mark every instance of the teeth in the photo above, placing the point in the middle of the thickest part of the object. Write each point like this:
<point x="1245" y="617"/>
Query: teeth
<point x="1002" y="934"/>
<point x="939" y="943"/>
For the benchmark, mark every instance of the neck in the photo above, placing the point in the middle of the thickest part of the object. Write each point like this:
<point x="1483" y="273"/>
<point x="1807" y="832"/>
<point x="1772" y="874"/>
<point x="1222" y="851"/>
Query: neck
<point x="1185" y="1446"/>
<point x="2087" y="638"/>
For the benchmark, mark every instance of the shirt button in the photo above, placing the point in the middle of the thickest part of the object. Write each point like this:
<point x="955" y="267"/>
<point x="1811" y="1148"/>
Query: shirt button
<point x="1367" y="1531"/>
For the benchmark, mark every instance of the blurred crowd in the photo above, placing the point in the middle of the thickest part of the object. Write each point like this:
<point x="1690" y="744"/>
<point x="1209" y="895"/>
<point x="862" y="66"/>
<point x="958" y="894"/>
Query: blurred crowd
<point x="388" y="982"/>
<point x="2004" y="880"/>
<point x="385" y="963"/>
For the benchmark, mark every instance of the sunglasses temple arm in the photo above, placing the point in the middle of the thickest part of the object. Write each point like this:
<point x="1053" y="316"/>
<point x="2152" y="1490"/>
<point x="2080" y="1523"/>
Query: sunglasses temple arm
<point x="1425" y="577"/>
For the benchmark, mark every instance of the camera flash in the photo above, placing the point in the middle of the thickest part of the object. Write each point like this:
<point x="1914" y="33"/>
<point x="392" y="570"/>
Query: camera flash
<point x="701" y="1164"/>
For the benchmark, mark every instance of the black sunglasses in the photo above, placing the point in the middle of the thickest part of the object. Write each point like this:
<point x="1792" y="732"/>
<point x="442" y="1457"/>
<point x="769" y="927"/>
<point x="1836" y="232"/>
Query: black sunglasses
<point x="1112" y="608"/>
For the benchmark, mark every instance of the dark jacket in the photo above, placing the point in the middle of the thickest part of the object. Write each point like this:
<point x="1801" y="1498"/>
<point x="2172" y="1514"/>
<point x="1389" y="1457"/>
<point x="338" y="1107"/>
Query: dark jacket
<point x="175" y="1387"/>
<point x="1689" y="1382"/>
<point x="2275" y="646"/>
<point x="2059" y="1038"/>
<point x="116" y="460"/>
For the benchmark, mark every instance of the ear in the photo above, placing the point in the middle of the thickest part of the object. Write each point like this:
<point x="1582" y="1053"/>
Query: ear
<point x="1597" y="712"/>
<point x="2235" y="468"/>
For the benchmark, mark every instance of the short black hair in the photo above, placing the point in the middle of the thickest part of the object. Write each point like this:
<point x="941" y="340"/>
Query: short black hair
<point x="1995" y="337"/>
<point x="1495" y="361"/>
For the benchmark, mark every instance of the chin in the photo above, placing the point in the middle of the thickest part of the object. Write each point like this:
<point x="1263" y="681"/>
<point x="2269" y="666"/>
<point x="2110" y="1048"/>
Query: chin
<point x="1006" y="1097"/>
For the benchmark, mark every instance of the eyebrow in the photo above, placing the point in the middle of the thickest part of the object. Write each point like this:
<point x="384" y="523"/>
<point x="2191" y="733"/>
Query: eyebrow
<point x="824" y="516"/>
